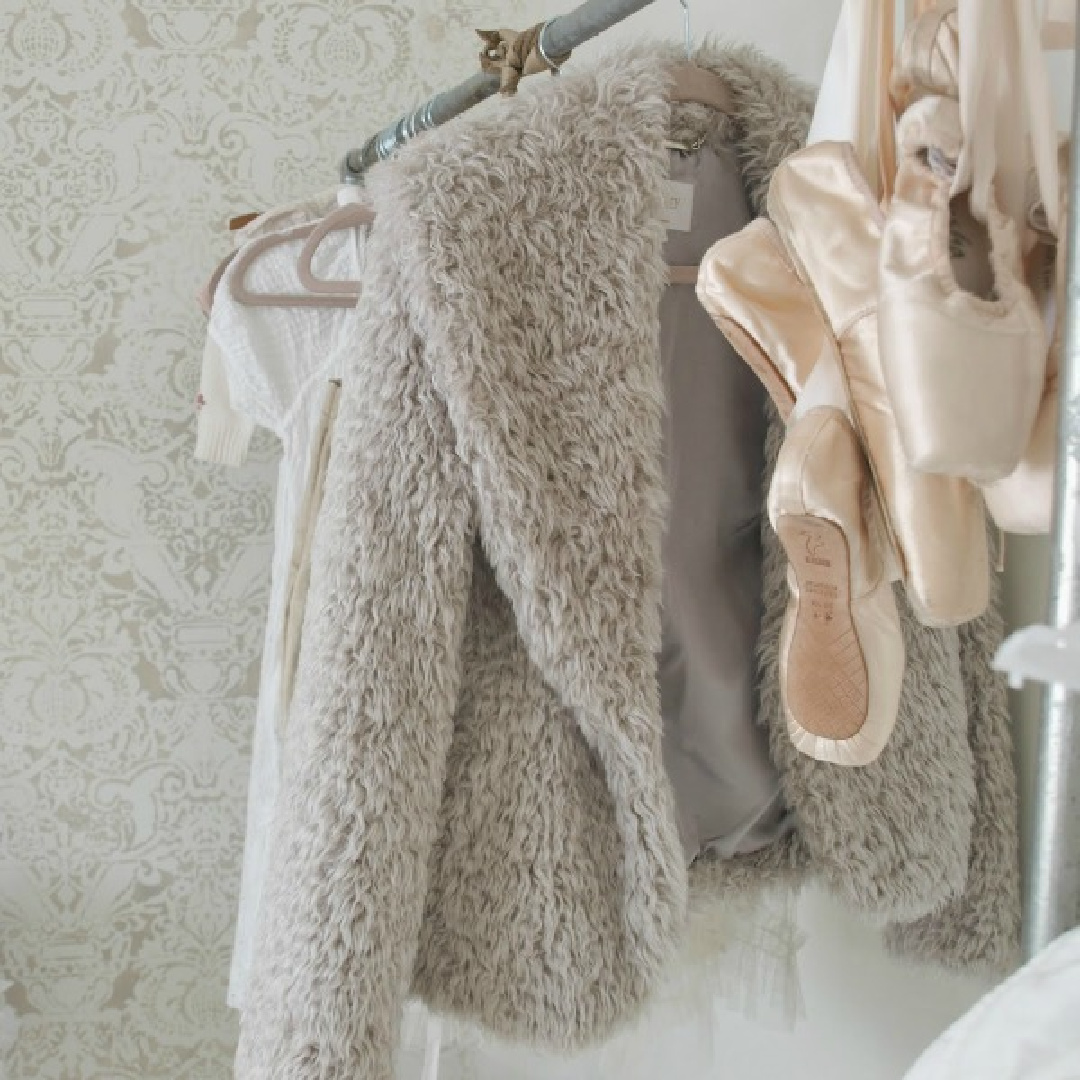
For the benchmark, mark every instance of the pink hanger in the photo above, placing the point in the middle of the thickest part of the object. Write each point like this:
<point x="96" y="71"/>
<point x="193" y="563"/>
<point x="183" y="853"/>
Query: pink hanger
<point x="349" y="216"/>
<point x="322" y="293"/>
<point x="242" y="294"/>
<point x="205" y="295"/>
<point x="342" y="294"/>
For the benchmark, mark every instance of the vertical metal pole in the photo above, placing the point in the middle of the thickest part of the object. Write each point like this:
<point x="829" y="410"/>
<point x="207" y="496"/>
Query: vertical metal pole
<point x="1053" y="879"/>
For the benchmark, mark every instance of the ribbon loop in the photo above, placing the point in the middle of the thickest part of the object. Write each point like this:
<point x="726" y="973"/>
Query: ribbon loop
<point x="513" y="54"/>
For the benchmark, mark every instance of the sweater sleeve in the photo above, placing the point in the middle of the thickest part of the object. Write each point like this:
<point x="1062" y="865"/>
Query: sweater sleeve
<point x="222" y="433"/>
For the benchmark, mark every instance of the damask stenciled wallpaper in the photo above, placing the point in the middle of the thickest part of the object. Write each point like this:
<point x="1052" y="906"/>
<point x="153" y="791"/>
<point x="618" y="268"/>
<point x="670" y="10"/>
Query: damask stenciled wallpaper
<point x="133" y="581"/>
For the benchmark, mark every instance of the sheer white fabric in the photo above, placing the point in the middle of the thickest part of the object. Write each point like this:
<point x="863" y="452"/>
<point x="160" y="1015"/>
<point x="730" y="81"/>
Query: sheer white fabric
<point x="743" y="960"/>
<point x="1006" y="109"/>
<point x="834" y="110"/>
<point x="852" y="103"/>
<point x="278" y="362"/>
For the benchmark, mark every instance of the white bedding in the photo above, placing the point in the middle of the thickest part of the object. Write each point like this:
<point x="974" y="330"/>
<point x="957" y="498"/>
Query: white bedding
<point x="1028" y="1028"/>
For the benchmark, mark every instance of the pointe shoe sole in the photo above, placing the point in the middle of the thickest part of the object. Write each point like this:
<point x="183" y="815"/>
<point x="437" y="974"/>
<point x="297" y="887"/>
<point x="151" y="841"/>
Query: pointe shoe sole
<point x="826" y="670"/>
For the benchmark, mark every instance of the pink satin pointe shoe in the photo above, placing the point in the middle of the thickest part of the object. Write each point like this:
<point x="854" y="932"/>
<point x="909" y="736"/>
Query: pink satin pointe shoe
<point x="750" y="289"/>
<point x="841" y="649"/>
<point x="961" y="338"/>
<point x="1023" y="501"/>
<point x="830" y="225"/>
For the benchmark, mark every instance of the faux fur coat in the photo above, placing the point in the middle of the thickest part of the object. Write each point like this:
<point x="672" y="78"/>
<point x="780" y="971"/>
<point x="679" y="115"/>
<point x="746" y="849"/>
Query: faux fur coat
<point x="475" y="806"/>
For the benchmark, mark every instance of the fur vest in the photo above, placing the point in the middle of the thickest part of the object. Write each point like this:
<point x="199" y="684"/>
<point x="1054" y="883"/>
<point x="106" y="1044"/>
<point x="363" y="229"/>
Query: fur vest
<point x="475" y="806"/>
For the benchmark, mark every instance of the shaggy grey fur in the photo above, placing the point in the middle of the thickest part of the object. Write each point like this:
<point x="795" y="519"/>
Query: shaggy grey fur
<point x="952" y="885"/>
<point x="474" y="799"/>
<point x="892" y="838"/>
<point x="980" y="928"/>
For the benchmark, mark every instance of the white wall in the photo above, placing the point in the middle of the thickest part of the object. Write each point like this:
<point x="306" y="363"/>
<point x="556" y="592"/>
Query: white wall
<point x="793" y="31"/>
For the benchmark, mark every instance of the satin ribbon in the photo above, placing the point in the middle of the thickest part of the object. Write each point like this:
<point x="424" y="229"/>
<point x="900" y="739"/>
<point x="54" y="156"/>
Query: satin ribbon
<point x="513" y="54"/>
<point x="915" y="8"/>
<point x="872" y="27"/>
<point x="1006" y="110"/>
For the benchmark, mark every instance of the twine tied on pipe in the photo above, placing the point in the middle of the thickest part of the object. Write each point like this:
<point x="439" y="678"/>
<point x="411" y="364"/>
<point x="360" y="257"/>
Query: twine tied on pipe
<point x="513" y="54"/>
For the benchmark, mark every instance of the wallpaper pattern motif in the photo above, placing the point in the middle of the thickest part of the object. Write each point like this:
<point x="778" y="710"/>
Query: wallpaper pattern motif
<point x="132" y="580"/>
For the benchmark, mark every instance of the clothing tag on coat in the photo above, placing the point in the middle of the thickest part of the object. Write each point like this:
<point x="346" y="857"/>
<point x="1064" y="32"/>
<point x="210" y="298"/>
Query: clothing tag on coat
<point x="679" y="206"/>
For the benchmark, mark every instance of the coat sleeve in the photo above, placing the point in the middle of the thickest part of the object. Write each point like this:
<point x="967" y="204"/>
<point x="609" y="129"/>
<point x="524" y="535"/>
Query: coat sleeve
<point x="370" y="728"/>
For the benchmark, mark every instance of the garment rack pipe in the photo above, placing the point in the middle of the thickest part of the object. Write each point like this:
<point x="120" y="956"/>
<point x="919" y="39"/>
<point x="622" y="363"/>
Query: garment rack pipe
<point x="1053" y="858"/>
<point x="560" y="36"/>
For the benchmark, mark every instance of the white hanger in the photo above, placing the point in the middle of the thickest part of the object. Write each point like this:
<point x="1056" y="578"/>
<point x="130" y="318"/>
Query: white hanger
<point x="694" y="84"/>
<point x="321" y="293"/>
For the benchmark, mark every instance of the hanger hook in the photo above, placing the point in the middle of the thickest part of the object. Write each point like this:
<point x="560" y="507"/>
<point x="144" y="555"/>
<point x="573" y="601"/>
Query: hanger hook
<point x="686" y="29"/>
